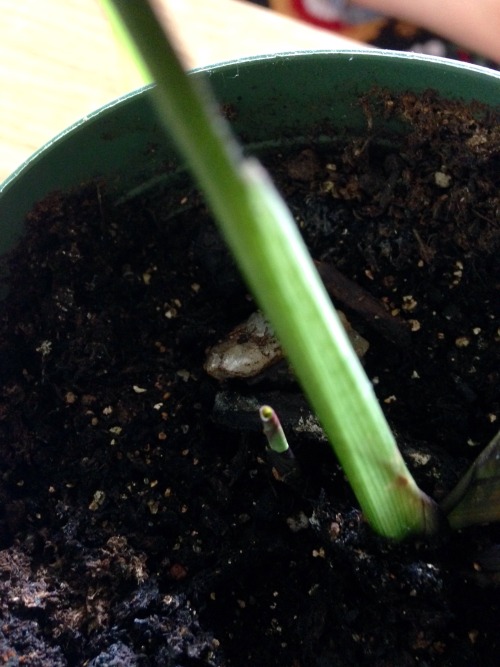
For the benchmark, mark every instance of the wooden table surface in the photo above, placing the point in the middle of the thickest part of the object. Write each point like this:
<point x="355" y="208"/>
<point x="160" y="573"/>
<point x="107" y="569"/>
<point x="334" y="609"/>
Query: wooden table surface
<point x="59" y="59"/>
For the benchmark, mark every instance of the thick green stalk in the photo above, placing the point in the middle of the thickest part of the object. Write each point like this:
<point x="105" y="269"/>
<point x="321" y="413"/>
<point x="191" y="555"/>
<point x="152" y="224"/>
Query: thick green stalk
<point x="271" y="254"/>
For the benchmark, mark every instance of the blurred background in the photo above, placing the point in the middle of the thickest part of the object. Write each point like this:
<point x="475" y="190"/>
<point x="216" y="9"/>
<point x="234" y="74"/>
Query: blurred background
<point x="59" y="60"/>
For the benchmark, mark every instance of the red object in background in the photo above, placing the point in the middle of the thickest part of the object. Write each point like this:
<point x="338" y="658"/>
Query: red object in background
<point x="300" y="7"/>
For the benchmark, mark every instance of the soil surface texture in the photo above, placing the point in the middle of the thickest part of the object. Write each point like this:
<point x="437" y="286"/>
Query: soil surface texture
<point x="140" y="521"/>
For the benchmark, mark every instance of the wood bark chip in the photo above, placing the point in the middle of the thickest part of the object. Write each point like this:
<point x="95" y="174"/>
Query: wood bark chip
<point x="353" y="296"/>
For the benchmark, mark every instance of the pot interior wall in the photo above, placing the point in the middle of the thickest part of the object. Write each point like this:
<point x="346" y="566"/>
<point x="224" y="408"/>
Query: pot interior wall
<point x="266" y="99"/>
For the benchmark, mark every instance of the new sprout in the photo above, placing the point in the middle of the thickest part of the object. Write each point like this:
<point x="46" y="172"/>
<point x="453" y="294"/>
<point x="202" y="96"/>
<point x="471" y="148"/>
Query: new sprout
<point x="280" y="455"/>
<point x="273" y="430"/>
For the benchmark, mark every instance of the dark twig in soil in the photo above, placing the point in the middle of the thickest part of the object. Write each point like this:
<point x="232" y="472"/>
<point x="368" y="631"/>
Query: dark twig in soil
<point x="353" y="296"/>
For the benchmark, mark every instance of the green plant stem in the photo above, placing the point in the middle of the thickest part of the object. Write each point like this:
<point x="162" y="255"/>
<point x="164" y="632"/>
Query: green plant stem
<point x="271" y="254"/>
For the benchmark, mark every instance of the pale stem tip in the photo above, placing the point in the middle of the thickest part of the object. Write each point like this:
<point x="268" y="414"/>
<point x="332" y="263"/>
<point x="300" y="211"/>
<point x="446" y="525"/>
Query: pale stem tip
<point x="273" y="430"/>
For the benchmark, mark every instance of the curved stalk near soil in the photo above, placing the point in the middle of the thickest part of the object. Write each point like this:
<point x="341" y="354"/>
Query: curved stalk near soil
<point x="272" y="256"/>
<point x="476" y="497"/>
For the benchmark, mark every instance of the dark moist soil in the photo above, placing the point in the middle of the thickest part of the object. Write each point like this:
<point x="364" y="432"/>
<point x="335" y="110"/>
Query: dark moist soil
<point x="140" y="525"/>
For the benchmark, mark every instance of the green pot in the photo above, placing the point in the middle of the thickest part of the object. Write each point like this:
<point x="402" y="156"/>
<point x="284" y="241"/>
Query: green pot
<point x="278" y="99"/>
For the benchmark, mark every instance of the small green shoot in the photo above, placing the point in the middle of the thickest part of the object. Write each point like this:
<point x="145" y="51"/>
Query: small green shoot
<point x="273" y="430"/>
<point x="281" y="457"/>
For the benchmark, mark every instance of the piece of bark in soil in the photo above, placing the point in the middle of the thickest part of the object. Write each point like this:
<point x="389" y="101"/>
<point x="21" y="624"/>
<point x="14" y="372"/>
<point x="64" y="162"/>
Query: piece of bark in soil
<point x="353" y="296"/>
